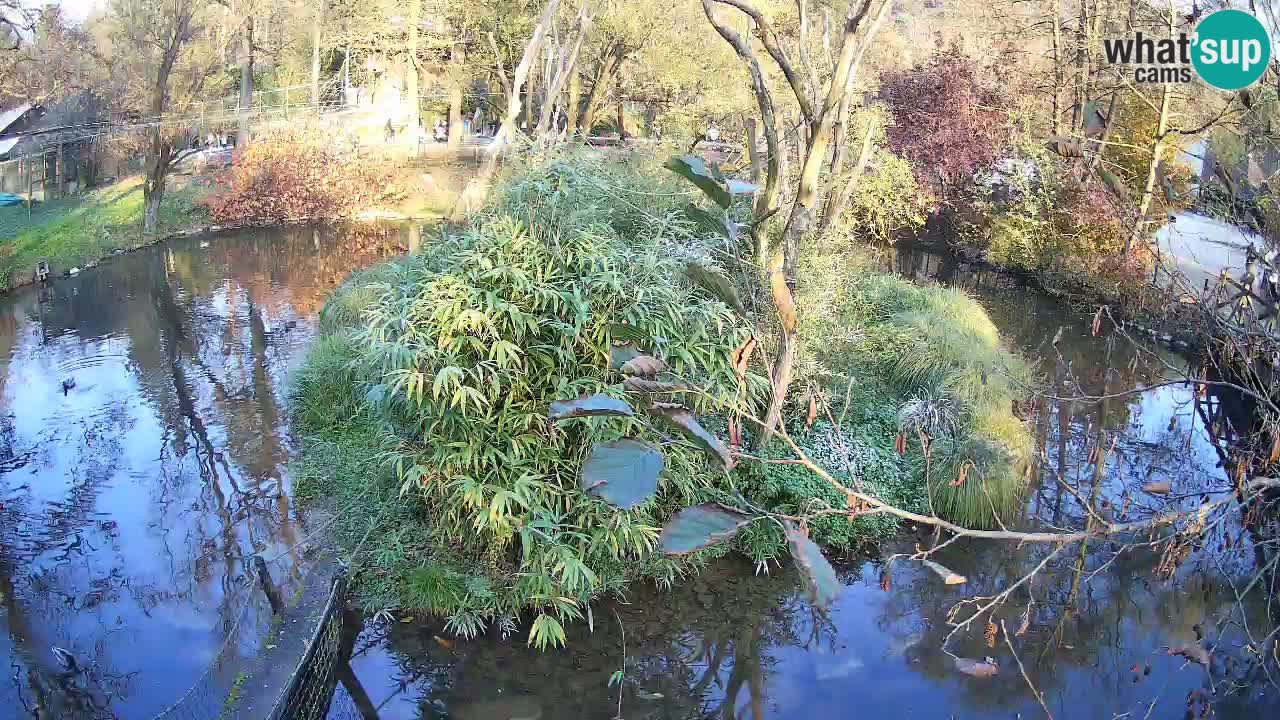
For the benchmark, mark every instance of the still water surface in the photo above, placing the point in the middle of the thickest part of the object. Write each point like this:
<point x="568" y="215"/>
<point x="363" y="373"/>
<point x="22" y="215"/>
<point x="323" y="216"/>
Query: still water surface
<point x="129" y="502"/>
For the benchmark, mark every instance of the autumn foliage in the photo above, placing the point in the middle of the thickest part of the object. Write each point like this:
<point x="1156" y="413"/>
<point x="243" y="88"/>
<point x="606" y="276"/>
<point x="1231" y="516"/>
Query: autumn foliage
<point x="948" y="119"/>
<point x="294" y="175"/>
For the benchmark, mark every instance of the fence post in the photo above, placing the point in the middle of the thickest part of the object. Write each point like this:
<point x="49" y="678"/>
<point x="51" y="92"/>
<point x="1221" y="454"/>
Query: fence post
<point x="264" y="578"/>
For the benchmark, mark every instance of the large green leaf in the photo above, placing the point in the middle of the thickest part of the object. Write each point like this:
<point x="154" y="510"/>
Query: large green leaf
<point x="710" y="223"/>
<point x="1114" y="184"/>
<point x="620" y="355"/>
<point x="623" y="473"/>
<point x="696" y="170"/>
<point x="1065" y="146"/>
<point x="701" y="526"/>
<point x="679" y="417"/>
<point x="715" y="283"/>
<point x="1094" y="123"/>
<point x="820" y="581"/>
<point x="588" y="406"/>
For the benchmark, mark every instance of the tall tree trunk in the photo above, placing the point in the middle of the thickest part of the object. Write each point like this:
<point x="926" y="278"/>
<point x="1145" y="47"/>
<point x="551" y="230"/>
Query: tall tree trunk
<point x="317" y="25"/>
<point x="1059" y="74"/>
<point x="159" y="152"/>
<point x="604" y="78"/>
<point x="413" y="117"/>
<point x="567" y="65"/>
<point x="571" y="106"/>
<point x="457" y="56"/>
<point x="1153" y="168"/>
<point x="246" y="82"/>
<point x="1157" y="154"/>
<point x="623" y="134"/>
<point x="518" y="80"/>
<point x="530" y="97"/>
<point x="837" y="200"/>
<point x="782" y="266"/>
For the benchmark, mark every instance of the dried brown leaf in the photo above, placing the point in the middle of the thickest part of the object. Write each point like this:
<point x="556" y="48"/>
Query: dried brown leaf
<point x="949" y="576"/>
<point x="643" y="366"/>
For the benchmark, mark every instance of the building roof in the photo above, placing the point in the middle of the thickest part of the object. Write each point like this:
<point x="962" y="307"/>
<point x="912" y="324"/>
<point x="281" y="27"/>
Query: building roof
<point x="9" y="117"/>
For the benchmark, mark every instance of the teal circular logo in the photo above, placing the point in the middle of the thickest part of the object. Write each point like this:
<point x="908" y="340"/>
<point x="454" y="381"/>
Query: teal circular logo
<point x="1231" y="49"/>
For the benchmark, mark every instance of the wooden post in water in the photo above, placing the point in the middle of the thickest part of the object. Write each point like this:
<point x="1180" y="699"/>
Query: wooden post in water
<point x="264" y="579"/>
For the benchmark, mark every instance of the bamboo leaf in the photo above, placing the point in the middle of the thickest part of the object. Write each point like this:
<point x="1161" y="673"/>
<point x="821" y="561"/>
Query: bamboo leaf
<point x="700" y="526"/>
<point x="715" y="283"/>
<point x="679" y="417"/>
<point x="626" y="333"/>
<point x="696" y="171"/>
<point x="820" y="581"/>
<point x="623" y="473"/>
<point x="588" y="406"/>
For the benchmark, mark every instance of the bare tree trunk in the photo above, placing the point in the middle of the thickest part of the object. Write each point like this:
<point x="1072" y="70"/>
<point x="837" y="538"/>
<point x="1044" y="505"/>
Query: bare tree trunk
<point x="613" y="57"/>
<point x="414" y="117"/>
<point x="837" y="200"/>
<point x="1153" y="167"/>
<point x="316" y="27"/>
<point x="457" y="55"/>
<point x="246" y="82"/>
<point x="1157" y="154"/>
<point x="566" y="66"/>
<point x="1059" y="77"/>
<point x="159" y="152"/>
<point x="782" y="266"/>
<point x="571" y="109"/>
<point x="531" y="98"/>
<point x="623" y="133"/>
<point x="518" y="80"/>
<point x="765" y="201"/>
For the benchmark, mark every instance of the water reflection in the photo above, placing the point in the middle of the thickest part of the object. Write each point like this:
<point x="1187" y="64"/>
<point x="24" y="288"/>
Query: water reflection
<point x="130" y="498"/>
<point x="1093" y="629"/>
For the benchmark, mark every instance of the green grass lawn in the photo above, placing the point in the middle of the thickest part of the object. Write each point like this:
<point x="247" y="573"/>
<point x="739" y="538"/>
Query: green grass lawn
<point x="70" y="232"/>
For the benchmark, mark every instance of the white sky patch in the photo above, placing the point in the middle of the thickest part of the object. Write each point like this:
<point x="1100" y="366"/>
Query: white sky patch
<point x="74" y="10"/>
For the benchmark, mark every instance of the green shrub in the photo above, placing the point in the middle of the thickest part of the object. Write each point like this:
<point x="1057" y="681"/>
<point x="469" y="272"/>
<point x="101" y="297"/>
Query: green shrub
<point x="886" y="200"/>
<point x="455" y="355"/>
<point x="935" y="353"/>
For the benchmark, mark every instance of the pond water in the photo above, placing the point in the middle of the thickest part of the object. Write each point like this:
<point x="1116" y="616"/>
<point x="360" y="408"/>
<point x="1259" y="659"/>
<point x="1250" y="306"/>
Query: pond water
<point x="143" y="450"/>
<point x="130" y="502"/>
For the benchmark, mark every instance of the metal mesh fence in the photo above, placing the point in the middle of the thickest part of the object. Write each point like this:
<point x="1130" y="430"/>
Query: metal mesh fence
<point x="310" y="688"/>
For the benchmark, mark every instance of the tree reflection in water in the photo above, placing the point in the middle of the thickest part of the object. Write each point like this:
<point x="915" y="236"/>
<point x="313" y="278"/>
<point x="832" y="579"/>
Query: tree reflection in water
<point x="128" y="504"/>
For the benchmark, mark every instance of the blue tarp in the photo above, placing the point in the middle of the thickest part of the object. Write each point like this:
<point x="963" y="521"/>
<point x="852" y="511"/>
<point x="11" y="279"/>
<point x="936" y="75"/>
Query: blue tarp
<point x="7" y="199"/>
